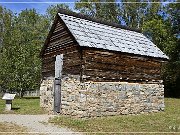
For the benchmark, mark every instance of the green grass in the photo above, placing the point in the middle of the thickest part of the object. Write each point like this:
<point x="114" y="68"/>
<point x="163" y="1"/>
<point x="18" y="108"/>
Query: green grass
<point x="26" y="105"/>
<point x="167" y="121"/>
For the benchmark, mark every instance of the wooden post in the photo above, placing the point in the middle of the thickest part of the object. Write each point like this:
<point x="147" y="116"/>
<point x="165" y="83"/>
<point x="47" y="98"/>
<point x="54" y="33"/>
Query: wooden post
<point x="57" y="83"/>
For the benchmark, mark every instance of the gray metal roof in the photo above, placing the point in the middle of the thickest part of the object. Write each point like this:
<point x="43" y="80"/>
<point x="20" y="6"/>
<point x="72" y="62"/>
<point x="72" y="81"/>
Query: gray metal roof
<point x="93" y="34"/>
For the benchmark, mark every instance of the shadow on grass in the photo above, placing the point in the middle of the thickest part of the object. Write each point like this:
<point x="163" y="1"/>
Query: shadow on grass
<point x="15" y="108"/>
<point x="31" y="97"/>
<point x="17" y="97"/>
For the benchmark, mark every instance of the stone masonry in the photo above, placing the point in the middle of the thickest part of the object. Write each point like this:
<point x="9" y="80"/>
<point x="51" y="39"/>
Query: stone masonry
<point x="91" y="99"/>
<point x="47" y="95"/>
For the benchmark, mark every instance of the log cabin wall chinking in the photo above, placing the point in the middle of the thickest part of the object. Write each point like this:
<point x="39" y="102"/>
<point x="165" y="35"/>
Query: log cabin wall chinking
<point x="107" y="69"/>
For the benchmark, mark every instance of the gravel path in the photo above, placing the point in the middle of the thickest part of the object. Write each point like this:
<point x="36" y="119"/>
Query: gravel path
<point x="36" y="124"/>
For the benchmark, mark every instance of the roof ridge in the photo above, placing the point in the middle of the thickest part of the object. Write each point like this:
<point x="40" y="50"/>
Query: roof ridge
<point x="98" y="20"/>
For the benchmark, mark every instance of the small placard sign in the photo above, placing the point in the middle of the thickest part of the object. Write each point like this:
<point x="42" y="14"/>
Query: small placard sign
<point x="8" y="96"/>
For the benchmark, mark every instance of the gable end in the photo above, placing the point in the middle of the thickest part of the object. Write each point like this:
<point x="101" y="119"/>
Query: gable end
<point x="59" y="37"/>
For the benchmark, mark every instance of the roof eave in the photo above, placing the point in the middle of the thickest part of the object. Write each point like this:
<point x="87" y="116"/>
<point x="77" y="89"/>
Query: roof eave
<point x="131" y="54"/>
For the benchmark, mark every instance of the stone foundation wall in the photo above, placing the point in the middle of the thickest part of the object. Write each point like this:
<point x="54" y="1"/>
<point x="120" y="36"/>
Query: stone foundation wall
<point x="47" y="95"/>
<point x="90" y="99"/>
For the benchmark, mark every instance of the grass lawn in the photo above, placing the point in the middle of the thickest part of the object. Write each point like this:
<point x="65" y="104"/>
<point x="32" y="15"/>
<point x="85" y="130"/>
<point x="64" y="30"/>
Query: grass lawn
<point x="10" y="128"/>
<point x="167" y="121"/>
<point x="28" y="105"/>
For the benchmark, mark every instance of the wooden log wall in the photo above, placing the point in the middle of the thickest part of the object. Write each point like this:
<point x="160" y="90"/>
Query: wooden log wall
<point x="61" y="42"/>
<point x="107" y="66"/>
<point x="95" y="64"/>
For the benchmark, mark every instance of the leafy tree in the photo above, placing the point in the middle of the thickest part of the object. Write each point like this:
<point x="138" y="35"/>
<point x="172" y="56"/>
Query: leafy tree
<point x="22" y="38"/>
<point x="173" y="11"/>
<point x="108" y="9"/>
<point x="172" y="69"/>
<point x="6" y="17"/>
<point x="20" y="63"/>
<point x="160" y="33"/>
<point x="133" y="14"/>
<point x="53" y="9"/>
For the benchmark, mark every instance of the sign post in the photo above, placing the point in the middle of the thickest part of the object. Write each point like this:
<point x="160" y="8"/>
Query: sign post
<point x="8" y="97"/>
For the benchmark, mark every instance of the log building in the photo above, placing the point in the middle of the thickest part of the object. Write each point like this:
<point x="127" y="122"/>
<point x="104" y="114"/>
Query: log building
<point x="106" y="69"/>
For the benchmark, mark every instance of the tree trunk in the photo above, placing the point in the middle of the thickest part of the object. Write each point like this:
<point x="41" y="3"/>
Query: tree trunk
<point x="21" y="93"/>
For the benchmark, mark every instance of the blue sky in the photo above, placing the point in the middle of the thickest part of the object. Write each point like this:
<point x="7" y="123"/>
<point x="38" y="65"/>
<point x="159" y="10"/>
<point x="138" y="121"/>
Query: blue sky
<point x="40" y="5"/>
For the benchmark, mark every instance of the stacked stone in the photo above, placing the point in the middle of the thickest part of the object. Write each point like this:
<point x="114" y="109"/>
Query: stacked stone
<point x="72" y="103"/>
<point x="47" y="95"/>
<point x="92" y="99"/>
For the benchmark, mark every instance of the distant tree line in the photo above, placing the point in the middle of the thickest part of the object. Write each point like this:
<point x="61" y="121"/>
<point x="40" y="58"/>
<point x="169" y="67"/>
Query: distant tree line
<point x="23" y="35"/>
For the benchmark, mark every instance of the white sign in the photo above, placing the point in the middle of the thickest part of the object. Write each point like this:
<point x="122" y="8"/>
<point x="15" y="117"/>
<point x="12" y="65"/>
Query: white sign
<point x="8" y="96"/>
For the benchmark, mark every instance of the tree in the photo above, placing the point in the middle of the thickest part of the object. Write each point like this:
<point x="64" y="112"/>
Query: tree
<point x="22" y="39"/>
<point x="172" y="69"/>
<point x="163" y="31"/>
<point x="132" y="14"/>
<point x="53" y="9"/>
<point x="6" y="17"/>
<point x="107" y="10"/>
<point x="20" y="64"/>
<point x="159" y="32"/>
<point x="173" y="11"/>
